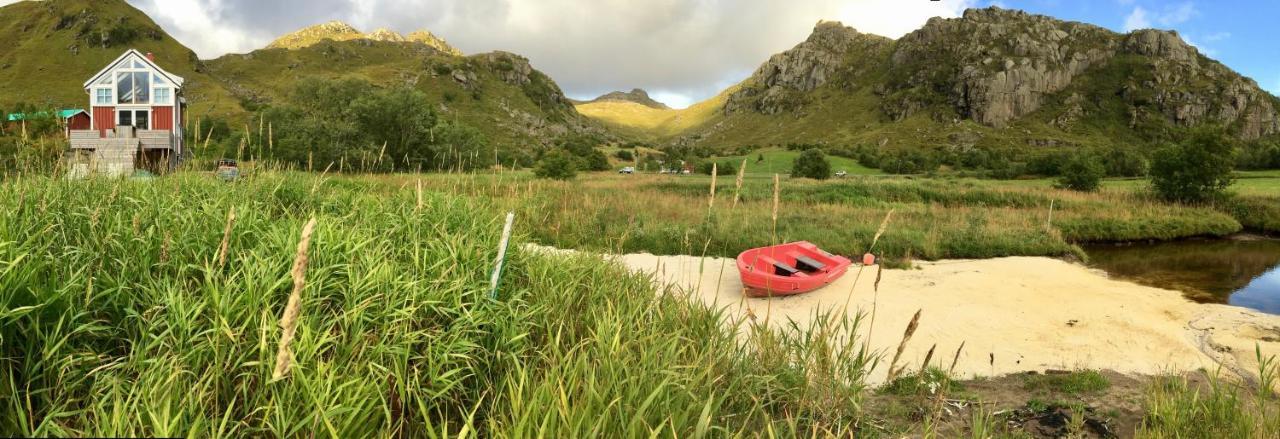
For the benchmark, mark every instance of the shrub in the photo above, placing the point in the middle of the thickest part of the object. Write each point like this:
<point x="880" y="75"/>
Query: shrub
<point x="595" y="160"/>
<point x="1197" y="170"/>
<point x="1125" y="162"/>
<point x="1050" y="164"/>
<point x="1082" y="173"/>
<point x="811" y="163"/>
<point x="722" y="168"/>
<point x="557" y="165"/>
<point x="623" y="154"/>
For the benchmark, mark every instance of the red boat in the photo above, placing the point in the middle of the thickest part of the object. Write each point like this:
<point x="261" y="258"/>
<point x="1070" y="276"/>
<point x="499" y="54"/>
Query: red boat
<point x="787" y="269"/>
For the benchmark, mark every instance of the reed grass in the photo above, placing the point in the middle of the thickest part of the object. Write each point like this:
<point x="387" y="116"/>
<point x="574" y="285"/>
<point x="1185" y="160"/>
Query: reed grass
<point x="105" y="331"/>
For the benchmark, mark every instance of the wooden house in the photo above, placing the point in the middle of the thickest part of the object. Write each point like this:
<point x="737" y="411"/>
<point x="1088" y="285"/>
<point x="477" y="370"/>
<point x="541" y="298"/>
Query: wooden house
<point x="136" y="117"/>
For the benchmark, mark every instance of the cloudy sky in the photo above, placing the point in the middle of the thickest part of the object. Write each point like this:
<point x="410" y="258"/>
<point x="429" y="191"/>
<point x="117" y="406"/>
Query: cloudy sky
<point x="683" y="51"/>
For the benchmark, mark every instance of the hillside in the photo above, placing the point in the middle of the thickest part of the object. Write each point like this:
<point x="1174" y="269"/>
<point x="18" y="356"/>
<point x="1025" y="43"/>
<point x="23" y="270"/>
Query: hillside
<point x="635" y="96"/>
<point x="58" y="44"/>
<point x="52" y="47"/>
<point x="647" y="122"/>
<point x="499" y="93"/>
<point x="993" y="78"/>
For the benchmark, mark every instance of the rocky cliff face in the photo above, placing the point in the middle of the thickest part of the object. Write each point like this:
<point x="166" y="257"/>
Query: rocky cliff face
<point x="636" y="96"/>
<point x="992" y="65"/>
<point x="339" y="31"/>
<point x="998" y="67"/>
<point x="780" y="83"/>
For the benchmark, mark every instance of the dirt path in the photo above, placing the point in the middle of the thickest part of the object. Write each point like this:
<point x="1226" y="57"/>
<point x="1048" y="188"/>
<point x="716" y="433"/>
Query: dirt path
<point x="1014" y="314"/>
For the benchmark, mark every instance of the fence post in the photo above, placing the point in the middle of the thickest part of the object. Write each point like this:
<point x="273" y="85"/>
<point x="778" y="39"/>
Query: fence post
<point x="502" y="256"/>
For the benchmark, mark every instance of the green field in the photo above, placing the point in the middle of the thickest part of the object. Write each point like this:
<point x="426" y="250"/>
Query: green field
<point x="778" y="161"/>
<point x="137" y="308"/>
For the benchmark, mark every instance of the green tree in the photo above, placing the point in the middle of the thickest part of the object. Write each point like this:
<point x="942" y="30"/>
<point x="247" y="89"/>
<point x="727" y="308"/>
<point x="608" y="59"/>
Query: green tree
<point x="1082" y="173"/>
<point x="811" y="163"/>
<point x="1197" y="170"/>
<point x="1125" y="162"/>
<point x="721" y="168"/>
<point x="557" y="165"/>
<point x="624" y="155"/>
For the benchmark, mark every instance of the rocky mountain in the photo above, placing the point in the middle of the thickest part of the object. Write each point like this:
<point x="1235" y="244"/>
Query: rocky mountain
<point x="339" y="31"/>
<point x="636" y="96"/>
<point x="992" y="78"/>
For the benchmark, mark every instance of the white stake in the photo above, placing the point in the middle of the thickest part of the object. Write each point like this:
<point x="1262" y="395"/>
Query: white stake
<point x="502" y="256"/>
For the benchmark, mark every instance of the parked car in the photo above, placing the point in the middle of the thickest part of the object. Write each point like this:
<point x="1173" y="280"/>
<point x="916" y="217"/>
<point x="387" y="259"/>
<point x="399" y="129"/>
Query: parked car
<point x="841" y="174"/>
<point x="227" y="170"/>
<point x="627" y="170"/>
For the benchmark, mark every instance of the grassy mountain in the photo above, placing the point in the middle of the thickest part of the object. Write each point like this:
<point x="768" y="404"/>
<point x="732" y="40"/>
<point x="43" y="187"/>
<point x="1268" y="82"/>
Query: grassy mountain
<point x="55" y="45"/>
<point x="647" y="122"/>
<point x="993" y="78"/>
<point x="635" y="96"/>
<point x="499" y="92"/>
<point x="52" y="47"/>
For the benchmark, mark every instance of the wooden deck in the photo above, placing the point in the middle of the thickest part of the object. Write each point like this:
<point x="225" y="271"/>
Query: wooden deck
<point x="117" y="152"/>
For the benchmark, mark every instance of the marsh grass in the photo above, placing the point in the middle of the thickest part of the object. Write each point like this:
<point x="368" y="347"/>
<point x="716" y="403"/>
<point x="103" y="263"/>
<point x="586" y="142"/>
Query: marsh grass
<point x="934" y="219"/>
<point x="118" y="319"/>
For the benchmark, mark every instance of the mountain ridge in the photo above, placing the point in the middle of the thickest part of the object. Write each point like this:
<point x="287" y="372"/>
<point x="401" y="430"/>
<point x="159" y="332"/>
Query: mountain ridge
<point x="992" y="78"/>
<point x="636" y="96"/>
<point x="340" y="31"/>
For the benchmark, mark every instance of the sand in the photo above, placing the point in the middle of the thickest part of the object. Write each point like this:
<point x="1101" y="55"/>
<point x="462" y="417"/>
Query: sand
<point x="1013" y="314"/>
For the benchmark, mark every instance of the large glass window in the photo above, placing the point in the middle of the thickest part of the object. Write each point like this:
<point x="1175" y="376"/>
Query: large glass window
<point x="133" y="87"/>
<point x="142" y="87"/>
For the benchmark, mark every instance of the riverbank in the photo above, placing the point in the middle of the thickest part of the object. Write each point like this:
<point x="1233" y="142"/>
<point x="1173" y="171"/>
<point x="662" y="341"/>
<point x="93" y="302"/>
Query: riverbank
<point x="1013" y="315"/>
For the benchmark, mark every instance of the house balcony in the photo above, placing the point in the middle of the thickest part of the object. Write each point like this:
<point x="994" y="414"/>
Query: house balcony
<point x="123" y="137"/>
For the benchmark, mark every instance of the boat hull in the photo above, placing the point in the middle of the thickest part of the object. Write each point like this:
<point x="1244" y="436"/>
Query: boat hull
<point x="789" y="269"/>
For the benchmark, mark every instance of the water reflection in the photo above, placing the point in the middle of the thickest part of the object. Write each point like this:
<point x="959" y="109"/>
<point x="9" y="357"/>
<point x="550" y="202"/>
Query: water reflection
<point x="1242" y="272"/>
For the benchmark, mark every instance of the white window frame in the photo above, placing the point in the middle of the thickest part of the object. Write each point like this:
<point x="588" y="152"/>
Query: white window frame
<point x="151" y="123"/>
<point x="110" y="97"/>
<point x="155" y="94"/>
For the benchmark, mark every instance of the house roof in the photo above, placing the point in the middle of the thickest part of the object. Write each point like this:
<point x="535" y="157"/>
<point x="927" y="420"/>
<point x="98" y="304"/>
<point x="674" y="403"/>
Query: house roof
<point x="64" y="114"/>
<point x="129" y="54"/>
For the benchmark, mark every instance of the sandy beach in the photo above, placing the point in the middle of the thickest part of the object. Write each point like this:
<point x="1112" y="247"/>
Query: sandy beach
<point x="1013" y="314"/>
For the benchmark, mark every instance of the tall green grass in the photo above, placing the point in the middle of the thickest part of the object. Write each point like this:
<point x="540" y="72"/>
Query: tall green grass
<point x="116" y="319"/>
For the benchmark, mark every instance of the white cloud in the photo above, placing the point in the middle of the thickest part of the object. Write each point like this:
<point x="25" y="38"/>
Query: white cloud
<point x="1178" y="14"/>
<point x="1217" y="36"/>
<point x="893" y="18"/>
<point x="1137" y="20"/>
<point x="685" y="49"/>
<point x="1167" y="17"/>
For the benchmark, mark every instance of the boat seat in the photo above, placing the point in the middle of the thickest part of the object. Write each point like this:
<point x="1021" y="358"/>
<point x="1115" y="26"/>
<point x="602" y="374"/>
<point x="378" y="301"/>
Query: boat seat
<point x="807" y="264"/>
<point x="781" y="268"/>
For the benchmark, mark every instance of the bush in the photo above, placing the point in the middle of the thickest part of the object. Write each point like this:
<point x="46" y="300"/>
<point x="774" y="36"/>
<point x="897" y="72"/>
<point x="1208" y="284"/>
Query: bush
<point x="811" y="163"/>
<point x="1125" y="162"/>
<point x="595" y="160"/>
<point x="722" y="168"/>
<point x="623" y="154"/>
<point x="557" y="165"/>
<point x="1049" y="165"/>
<point x="1082" y="173"/>
<point x="1197" y="170"/>
<point x="907" y="162"/>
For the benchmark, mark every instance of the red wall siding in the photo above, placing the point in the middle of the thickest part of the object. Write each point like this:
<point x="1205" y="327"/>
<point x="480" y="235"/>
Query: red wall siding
<point x="162" y="118"/>
<point x="79" y="122"/>
<point x="104" y="118"/>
